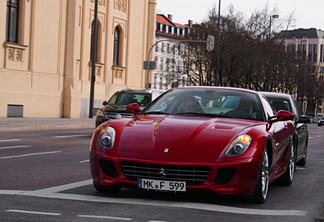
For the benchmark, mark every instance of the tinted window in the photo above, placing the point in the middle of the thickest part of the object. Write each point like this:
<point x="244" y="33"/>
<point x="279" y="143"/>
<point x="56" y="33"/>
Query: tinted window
<point x="125" y="98"/>
<point x="280" y="104"/>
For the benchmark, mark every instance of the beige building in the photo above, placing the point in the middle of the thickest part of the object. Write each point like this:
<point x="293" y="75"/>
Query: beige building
<point x="45" y="55"/>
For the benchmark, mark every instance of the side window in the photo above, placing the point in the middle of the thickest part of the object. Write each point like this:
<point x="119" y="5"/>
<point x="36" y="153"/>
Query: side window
<point x="12" y="21"/>
<point x="113" y="99"/>
<point x="267" y="107"/>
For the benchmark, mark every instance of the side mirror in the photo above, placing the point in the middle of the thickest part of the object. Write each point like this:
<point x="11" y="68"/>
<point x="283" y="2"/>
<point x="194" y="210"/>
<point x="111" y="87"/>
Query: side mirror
<point x="304" y="119"/>
<point x="282" y="115"/>
<point x="133" y="108"/>
<point x="104" y="103"/>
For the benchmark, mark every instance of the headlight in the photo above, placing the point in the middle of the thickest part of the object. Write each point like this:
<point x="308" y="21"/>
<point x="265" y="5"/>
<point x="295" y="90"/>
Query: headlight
<point x="100" y="113"/>
<point x="239" y="145"/>
<point x="106" y="138"/>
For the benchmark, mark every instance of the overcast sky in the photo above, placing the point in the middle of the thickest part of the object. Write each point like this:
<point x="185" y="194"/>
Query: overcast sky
<point x="308" y="14"/>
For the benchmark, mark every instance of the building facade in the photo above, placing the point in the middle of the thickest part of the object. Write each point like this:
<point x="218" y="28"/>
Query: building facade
<point x="307" y="45"/>
<point x="45" y="55"/>
<point x="169" y="53"/>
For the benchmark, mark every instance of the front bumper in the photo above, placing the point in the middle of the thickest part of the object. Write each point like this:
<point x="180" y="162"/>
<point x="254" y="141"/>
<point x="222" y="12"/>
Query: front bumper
<point x="107" y="171"/>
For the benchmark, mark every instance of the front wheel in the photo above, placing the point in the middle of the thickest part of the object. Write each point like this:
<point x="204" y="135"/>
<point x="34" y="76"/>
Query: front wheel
<point x="261" y="190"/>
<point x="302" y="162"/>
<point x="287" y="178"/>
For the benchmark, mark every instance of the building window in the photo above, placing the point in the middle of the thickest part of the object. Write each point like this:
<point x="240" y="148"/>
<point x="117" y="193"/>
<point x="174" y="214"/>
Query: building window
<point x="162" y="49"/>
<point x="157" y="47"/>
<point x="321" y="54"/>
<point x="160" y="83"/>
<point x="154" y="86"/>
<point x="167" y="64"/>
<point x="12" y="21"/>
<point x="116" y="46"/>
<point x="315" y="53"/>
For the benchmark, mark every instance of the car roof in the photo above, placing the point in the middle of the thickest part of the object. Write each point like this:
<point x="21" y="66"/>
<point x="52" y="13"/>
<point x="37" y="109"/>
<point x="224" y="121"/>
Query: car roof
<point x="219" y="87"/>
<point x="134" y="91"/>
<point x="276" y="95"/>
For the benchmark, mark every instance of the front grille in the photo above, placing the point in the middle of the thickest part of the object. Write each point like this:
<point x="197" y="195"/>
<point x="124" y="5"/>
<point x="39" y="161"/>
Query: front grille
<point x="110" y="115"/>
<point x="190" y="174"/>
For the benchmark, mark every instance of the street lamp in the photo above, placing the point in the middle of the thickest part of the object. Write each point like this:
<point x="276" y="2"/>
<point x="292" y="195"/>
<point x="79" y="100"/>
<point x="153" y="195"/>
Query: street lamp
<point x="272" y="17"/>
<point x="217" y="51"/>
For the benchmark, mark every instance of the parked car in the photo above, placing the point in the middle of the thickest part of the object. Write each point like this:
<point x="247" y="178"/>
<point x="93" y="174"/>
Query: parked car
<point x="115" y="107"/>
<point x="319" y="116"/>
<point x="320" y="121"/>
<point x="187" y="139"/>
<point x="286" y="102"/>
<point x="312" y="117"/>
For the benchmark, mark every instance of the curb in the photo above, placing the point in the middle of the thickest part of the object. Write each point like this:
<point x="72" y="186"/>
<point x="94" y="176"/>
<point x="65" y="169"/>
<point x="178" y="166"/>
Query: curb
<point x="44" y="127"/>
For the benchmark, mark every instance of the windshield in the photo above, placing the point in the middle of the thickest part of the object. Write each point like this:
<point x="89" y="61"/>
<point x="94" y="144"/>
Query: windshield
<point x="208" y="102"/>
<point x="125" y="98"/>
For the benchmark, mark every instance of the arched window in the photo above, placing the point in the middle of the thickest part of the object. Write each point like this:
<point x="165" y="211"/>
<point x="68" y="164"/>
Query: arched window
<point x="12" y="21"/>
<point x="116" y="46"/>
<point x="92" y="41"/>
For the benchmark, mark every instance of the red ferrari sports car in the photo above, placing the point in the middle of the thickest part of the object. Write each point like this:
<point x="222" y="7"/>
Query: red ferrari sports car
<point x="227" y="140"/>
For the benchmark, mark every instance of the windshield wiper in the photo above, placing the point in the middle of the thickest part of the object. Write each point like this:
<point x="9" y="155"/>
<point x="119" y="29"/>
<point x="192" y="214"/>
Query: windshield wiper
<point x="157" y="112"/>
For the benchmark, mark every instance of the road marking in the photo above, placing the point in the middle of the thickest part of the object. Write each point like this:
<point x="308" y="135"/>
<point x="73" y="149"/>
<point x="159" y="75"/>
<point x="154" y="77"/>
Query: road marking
<point x="104" y="217"/>
<point x="34" y="212"/>
<point x="30" y="154"/>
<point x="70" y="136"/>
<point x="156" y="221"/>
<point x="14" y="147"/>
<point x="56" y="193"/>
<point x="63" y="187"/>
<point x="84" y="161"/>
<point x="12" y="140"/>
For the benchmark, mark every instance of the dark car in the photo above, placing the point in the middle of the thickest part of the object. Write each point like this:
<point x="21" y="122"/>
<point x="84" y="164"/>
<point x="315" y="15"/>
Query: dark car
<point x="115" y="107"/>
<point x="281" y="101"/>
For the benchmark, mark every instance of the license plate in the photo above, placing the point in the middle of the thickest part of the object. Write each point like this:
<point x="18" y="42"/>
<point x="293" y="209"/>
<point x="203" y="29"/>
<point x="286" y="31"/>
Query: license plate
<point x="161" y="185"/>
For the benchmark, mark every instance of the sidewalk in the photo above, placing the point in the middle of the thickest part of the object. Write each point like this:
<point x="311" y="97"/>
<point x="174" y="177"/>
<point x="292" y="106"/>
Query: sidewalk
<point x="10" y="124"/>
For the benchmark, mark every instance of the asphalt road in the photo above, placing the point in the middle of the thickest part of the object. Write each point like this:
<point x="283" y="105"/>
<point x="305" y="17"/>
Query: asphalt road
<point x="45" y="176"/>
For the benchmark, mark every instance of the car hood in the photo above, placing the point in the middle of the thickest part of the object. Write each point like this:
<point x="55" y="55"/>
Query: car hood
<point x="178" y="138"/>
<point x="116" y="108"/>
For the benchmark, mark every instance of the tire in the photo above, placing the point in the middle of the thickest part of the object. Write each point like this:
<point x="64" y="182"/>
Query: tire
<point x="261" y="190"/>
<point x="288" y="176"/>
<point x="106" y="189"/>
<point x="302" y="162"/>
